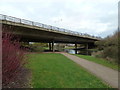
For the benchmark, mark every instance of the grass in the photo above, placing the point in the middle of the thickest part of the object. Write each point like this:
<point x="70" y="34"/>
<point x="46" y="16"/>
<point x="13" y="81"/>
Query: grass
<point x="99" y="61"/>
<point x="56" y="71"/>
<point x="46" y="48"/>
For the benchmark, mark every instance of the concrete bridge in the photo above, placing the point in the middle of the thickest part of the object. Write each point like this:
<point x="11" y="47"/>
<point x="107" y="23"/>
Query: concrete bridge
<point x="30" y="31"/>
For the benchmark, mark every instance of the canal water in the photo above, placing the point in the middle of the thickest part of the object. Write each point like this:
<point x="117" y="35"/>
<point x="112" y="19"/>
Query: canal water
<point x="83" y="52"/>
<point x="70" y="51"/>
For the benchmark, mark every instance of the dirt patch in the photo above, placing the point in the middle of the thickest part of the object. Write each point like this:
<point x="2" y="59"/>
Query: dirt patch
<point x="22" y="80"/>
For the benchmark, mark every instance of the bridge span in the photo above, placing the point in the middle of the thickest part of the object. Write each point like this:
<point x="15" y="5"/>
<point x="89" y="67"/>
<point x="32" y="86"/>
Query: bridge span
<point x="30" y="31"/>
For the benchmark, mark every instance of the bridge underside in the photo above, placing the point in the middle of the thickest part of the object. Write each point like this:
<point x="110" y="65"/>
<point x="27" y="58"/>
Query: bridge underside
<point x="30" y="31"/>
<point x="28" y="34"/>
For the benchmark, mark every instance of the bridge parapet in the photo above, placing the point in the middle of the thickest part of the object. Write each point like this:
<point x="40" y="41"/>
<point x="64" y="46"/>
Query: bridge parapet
<point x="48" y="27"/>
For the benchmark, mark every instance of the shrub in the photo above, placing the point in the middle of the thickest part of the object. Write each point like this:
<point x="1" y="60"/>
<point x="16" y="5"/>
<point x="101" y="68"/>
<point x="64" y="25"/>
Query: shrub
<point x="98" y="54"/>
<point x="111" y="53"/>
<point x="12" y="58"/>
<point x="36" y="48"/>
<point x="109" y="47"/>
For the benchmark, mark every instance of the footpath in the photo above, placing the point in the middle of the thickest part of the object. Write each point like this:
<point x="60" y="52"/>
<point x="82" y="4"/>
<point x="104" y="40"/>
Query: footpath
<point x="108" y="75"/>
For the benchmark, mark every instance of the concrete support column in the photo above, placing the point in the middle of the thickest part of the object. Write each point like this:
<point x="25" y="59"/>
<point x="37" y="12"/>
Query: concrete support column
<point x="87" y="48"/>
<point x="50" y="48"/>
<point x="53" y="46"/>
<point x="75" y="48"/>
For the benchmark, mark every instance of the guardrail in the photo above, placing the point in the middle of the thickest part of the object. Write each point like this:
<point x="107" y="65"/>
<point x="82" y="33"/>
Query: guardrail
<point x="49" y="27"/>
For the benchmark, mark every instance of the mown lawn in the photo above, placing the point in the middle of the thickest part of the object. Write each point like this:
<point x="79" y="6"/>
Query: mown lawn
<point x="99" y="61"/>
<point x="56" y="71"/>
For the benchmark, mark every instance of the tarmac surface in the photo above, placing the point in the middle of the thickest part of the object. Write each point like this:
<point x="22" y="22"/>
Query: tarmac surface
<point x="106" y="74"/>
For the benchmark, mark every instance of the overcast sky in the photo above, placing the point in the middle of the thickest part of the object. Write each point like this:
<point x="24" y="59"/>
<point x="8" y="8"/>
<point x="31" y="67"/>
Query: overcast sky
<point x="95" y="17"/>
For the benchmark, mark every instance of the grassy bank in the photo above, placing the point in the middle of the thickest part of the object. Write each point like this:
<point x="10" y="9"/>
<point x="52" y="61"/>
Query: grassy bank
<point x="99" y="61"/>
<point x="56" y="71"/>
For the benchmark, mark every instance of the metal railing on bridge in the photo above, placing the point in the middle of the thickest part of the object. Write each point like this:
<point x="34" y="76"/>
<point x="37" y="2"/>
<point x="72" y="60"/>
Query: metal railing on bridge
<point x="49" y="27"/>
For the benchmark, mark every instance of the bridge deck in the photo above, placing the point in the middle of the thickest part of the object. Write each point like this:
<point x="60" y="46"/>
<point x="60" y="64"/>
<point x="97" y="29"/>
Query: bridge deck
<point x="35" y="25"/>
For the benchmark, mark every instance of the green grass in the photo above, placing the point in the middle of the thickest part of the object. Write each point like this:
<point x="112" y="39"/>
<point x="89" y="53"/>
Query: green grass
<point x="99" y="61"/>
<point x="56" y="71"/>
<point x="46" y="48"/>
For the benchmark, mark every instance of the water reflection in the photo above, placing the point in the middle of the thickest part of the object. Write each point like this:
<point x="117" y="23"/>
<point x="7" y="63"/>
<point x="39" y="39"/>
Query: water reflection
<point x="83" y="52"/>
<point x="70" y="51"/>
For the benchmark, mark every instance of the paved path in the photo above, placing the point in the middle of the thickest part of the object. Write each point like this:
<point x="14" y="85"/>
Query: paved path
<point x="108" y="75"/>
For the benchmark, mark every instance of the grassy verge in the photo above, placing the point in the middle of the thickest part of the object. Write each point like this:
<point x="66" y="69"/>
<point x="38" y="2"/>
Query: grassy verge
<point x="99" y="61"/>
<point x="56" y="71"/>
<point x="46" y="48"/>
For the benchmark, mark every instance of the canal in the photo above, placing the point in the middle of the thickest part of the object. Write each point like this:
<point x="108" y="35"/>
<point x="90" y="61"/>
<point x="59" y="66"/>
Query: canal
<point x="83" y="52"/>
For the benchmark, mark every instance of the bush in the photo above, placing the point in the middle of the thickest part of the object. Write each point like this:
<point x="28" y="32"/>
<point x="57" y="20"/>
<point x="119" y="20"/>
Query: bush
<point x="12" y="58"/>
<point x="109" y="47"/>
<point x="111" y="53"/>
<point x="37" y="49"/>
<point x="98" y="54"/>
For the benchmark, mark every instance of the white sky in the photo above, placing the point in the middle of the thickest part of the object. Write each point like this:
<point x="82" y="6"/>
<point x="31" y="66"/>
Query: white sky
<point x="95" y="17"/>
